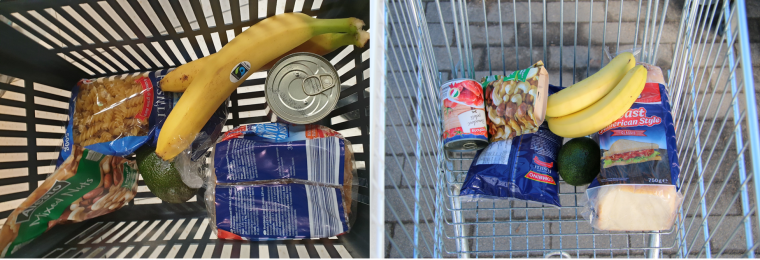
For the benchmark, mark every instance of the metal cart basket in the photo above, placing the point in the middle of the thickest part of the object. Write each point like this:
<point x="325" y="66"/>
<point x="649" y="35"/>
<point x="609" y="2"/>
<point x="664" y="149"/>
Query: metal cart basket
<point x="47" y="46"/>
<point x="703" y="48"/>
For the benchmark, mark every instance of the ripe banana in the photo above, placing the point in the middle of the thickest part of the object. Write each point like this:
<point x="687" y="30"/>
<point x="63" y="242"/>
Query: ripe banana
<point x="588" y="91"/>
<point x="225" y="70"/>
<point x="606" y="111"/>
<point x="179" y="79"/>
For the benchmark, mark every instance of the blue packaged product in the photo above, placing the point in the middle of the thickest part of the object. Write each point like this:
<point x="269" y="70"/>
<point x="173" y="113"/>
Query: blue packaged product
<point x="281" y="181"/>
<point x="119" y="114"/>
<point x="637" y="188"/>
<point x="278" y="151"/>
<point x="521" y="168"/>
<point x="279" y="211"/>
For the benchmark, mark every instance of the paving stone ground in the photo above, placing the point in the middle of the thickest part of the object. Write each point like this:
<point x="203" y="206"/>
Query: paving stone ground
<point x="504" y="40"/>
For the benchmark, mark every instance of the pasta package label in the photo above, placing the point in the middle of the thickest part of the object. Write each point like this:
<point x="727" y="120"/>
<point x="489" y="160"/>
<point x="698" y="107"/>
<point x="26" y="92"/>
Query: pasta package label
<point x="118" y="114"/>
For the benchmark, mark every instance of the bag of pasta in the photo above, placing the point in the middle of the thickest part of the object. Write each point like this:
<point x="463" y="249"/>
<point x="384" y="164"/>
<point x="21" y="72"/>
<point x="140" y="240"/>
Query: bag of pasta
<point x="118" y="114"/>
<point x="87" y="184"/>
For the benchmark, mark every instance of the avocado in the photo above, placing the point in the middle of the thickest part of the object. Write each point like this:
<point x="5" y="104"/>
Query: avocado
<point x="579" y="161"/>
<point x="162" y="177"/>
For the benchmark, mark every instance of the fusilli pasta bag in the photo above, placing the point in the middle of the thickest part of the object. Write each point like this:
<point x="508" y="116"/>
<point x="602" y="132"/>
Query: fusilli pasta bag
<point x="116" y="115"/>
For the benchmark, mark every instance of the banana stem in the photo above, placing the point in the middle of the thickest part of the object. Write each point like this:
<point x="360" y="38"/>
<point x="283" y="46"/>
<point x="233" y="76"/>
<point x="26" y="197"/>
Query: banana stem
<point x="343" y="25"/>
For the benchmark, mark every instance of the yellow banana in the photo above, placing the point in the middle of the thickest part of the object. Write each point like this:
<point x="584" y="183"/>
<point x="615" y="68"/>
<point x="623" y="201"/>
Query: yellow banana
<point x="227" y="69"/>
<point x="588" y="91"/>
<point x="179" y="79"/>
<point x="606" y="111"/>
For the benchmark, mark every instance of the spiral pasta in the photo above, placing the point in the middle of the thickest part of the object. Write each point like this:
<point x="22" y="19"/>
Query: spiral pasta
<point x="106" y="110"/>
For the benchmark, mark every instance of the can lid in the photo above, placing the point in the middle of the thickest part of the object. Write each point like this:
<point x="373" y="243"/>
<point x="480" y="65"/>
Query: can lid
<point x="462" y="145"/>
<point x="302" y="88"/>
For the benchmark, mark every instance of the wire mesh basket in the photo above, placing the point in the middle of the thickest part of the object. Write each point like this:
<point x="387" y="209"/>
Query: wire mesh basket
<point x="47" y="46"/>
<point x="702" y="46"/>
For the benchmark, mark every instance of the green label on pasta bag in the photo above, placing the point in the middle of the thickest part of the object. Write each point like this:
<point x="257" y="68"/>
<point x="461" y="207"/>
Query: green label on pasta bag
<point x="33" y="221"/>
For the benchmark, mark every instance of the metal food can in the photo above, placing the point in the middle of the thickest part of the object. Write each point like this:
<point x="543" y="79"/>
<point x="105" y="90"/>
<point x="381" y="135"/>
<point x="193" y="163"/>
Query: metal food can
<point x="302" y="88"/>
<point x="464" y="115"/>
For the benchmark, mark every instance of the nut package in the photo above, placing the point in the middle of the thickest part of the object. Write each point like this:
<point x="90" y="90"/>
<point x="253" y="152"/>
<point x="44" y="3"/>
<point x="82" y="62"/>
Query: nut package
<point x="86" y="185"/>
<point x="516" y="104"/>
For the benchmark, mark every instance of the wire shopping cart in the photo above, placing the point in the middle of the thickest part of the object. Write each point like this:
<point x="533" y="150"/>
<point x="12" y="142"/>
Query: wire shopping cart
<point x="703" y="46"/>
<point x="47" y="46"/>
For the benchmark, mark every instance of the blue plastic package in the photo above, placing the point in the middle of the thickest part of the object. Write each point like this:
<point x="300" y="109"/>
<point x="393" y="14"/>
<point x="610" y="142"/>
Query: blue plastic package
<point x="281" y="181"/>
<point x="118" y="115"/>
<point x="278" y="151"/>
<point x="521" y="168"/>
<point x="279" y="211"/>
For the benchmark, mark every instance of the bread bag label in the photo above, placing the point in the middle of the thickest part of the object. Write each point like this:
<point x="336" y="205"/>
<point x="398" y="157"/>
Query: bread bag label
<point x="280" y="211"/>
<point x="639" y="147"/>
<point x="318" y="160"/>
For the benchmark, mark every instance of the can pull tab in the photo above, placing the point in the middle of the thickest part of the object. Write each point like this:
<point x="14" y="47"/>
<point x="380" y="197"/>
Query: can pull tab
<point x="315" y="84"/>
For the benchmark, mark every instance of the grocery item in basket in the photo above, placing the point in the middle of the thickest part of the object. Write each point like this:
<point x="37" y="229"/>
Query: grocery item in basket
<point x="464" y="118"/>
<point x="592" y="89"/>
<point x="521" y="168"/>
<point x="302" y="88"/>
<point x="86" y="185"/>
<point x="516" y="104"/>
<point x="278" y="211"/>
<point x="322" y="44"/>
<point x="286" y="168"/>
<point x="118" y="114"/>
<point x="605" y="111"/>
<point x="578" y="163"/>
<point x="277" y="151"/>
<point x="162" y="178"/>
<point x="637" y="188"/>
<point x="228" y="69"/>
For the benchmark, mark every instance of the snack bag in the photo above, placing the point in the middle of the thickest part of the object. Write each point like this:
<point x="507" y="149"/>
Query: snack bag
<point x="307" y="170"/>
<point x="522" y="168"/>
<point x="86" y="185"/>
<point x="118" y="114"/>
<point x="637" y="188"/>
<point x="516" y="104"/>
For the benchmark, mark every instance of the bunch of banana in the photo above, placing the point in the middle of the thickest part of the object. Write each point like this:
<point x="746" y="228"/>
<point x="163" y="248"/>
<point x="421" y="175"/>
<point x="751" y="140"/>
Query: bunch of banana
<point x="179" y="79"/>
<point x="603" y="112"/>
<point x="590" y="90"/>
<point x="222" y="72"/>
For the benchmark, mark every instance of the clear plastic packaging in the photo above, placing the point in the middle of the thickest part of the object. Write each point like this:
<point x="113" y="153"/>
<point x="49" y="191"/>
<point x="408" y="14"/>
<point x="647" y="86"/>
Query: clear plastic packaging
<point x="633" y="207"/>
<point x="118" y="114"/>
<point x="637" y="188"/>
<point x="87" y="184"/>
<point x="516" y="104"/>
<point x="281" y="173"/>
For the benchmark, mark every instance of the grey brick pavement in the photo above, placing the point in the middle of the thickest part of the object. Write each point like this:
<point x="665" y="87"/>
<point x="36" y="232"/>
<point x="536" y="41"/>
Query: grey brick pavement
<point x="553" y="234"/>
